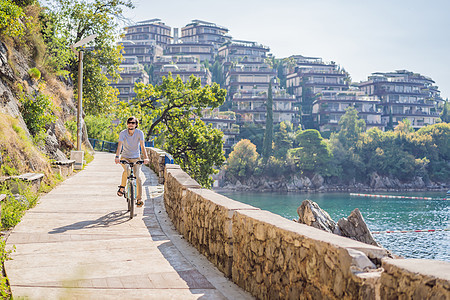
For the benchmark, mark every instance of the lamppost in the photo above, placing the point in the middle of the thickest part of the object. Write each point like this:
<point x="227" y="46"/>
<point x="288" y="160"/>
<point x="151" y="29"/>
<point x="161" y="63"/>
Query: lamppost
<point x="78" y="155"/>
<point x="80" y="84"/>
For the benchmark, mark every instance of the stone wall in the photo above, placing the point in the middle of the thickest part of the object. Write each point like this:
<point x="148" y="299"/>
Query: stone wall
<point x="415" y="279"/>
<point x="273" y="258"/>
<point x="157" y="161"/>
<point x="277" y="258"/>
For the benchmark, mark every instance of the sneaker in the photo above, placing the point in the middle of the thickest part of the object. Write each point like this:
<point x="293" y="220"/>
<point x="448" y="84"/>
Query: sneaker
<point x="139" y="203"/>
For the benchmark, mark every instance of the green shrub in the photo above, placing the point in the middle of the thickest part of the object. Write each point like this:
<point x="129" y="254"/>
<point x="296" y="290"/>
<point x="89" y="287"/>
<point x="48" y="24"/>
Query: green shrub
<point x="13" y="209"/>
<point x="34" y="73"/>
<point x="10" y="19"/>
<point x="5" y="255"/>
<point x="12" y="212"/>
<point x="101" y="127"/>
<point x="7" y="168"/>
<point x="24" y="3"/>
<point x="37" y="111"/>
<point x="71" y="126"/>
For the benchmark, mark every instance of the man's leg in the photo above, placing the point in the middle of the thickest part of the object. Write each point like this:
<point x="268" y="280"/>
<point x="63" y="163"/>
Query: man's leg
<point x="124" y="175"/>
<point x="137" y="172"/>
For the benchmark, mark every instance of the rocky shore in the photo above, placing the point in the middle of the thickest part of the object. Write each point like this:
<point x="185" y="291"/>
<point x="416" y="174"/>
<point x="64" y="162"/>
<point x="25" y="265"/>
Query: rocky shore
<point x="317" y="183"/>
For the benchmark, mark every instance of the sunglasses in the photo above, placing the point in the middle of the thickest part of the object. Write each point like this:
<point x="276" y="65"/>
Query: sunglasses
<point x="131" y="122"/>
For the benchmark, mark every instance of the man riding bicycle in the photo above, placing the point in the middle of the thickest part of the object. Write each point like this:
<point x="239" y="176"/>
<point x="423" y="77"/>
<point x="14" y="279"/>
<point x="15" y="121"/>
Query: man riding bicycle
<point x="132" y="142"/>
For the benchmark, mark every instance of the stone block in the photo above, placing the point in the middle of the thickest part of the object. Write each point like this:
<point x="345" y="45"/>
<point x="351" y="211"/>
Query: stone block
<point x="78" y="157"/>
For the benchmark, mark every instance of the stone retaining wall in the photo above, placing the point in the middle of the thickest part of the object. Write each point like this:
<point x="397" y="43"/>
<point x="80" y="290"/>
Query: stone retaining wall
<point x="273" y="258"/>
<point x="157" y="161"/>
<point x="415" y="279"/>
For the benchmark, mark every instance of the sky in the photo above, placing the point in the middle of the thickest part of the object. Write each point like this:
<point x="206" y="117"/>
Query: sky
<point x="361" y="36"/>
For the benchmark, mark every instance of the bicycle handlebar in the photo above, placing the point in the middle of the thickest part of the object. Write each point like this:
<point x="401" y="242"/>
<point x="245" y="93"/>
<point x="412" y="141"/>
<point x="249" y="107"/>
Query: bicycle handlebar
<point x="139" y="162"/>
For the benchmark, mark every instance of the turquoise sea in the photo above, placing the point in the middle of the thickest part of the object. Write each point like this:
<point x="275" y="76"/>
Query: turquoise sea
<point x="380" y="214"/>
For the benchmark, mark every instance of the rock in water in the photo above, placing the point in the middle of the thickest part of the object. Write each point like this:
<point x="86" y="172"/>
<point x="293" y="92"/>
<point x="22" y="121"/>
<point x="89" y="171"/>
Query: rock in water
<point x="355" y="227"/>
<point x="311" y="214"/>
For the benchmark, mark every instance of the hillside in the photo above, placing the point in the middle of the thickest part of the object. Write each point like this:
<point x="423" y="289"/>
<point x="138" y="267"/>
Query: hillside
<point x="28" y="92"/>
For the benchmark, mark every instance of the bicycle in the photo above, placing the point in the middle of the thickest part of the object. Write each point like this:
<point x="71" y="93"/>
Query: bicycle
<point x="130" y="191"/>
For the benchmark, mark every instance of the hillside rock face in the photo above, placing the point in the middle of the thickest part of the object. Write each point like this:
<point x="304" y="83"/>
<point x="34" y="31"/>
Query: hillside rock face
<point x="302" y="183"/>
<point x="353" y="227"/>
<point x="60" y="92"/>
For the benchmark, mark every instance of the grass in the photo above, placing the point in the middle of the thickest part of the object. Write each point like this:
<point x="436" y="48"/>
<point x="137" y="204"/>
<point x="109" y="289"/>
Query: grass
<point x="13" y="208"/>
<point x="5" y="291"/>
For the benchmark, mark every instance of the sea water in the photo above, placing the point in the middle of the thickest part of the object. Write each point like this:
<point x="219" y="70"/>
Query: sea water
<point x="380" y="214"/>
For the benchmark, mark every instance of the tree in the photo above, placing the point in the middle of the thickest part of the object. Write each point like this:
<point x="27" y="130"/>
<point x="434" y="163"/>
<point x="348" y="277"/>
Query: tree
<point x="445" y="114"/>
<point x="11" y="17"/>
<point x="313" y="153"/>
<point x="283" y="140"/>
<point x="217" y="72"/>
<point x="254" y="133"/>
<point x="242" y="160"/>
<point x="350" y="128"/>
<point x="172" y="110"/>
<point x="344" y="145"/>
<point x="268" y="134"/>
<point x="68" y="22"/>
<point x="197" y="148"/>
<point x="390" y="124"/>
<point x="404" y="127"/>
<point x="306" y="106"/>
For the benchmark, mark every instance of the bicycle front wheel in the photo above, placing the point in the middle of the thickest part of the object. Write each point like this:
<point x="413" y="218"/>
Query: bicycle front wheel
<point x="131" y="201"/>
<point x="127" y="194"/>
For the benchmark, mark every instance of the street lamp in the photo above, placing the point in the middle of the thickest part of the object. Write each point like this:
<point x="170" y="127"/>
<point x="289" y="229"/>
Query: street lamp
<point x="78" y="156"/>
<point x="80" y="84"/>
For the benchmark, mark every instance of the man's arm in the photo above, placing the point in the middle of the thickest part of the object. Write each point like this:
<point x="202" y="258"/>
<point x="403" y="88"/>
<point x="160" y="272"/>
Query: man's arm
<point x="119" y="148"/>
<point x="144" y="152"/>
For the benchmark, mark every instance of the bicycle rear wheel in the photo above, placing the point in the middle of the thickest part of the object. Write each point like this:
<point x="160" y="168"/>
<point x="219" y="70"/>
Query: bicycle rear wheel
<point x="131" y="201"/>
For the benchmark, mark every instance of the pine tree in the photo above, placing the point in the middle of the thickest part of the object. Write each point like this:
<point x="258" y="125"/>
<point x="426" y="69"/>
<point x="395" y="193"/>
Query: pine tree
<point x="445" y="115"/>
<point x="268" y="134"/>
<point x="390" y="124"/>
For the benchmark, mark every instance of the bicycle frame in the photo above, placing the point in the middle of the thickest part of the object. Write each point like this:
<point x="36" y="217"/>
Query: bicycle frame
<point x="130" y="192"/>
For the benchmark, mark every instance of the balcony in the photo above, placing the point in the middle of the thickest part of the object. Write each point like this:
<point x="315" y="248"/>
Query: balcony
<point x="230" y="131"/>
<point x="414" y="113"/>
<point x="320" y="72"/>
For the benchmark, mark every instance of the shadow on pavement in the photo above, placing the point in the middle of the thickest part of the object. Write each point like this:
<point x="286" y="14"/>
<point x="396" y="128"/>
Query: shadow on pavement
<point x="111" y="219"/>
<point x="197" y="283"/>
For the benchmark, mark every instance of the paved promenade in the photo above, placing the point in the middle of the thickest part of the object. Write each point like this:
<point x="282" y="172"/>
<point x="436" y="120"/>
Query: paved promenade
<point x="79" y="243"/>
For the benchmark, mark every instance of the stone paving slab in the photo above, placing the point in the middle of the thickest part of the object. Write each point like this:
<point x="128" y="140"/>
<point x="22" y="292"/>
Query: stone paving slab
<point x="79" y="243"/>
<point x="120" y="293"/>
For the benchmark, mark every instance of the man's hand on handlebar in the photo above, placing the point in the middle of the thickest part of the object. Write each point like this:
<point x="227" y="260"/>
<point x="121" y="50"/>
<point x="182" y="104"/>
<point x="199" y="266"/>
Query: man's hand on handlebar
<point x="146" y="161"/>
<point x="117" y="160"/>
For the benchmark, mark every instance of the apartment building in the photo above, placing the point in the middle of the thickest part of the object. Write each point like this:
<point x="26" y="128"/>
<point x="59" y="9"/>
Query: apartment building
<point x="329" y="106"/>
<point x="309" y="76"/>
<point x="250" y="106"/>
<point x="225" y="121"/>
<point x="149" y="32"/>
<point x="405" y="95"/>
<point x="245" y="67"/>
<point x="202" y="51"/>
<point x="145" y="53"/>
<point x="203" y="32"/>
<point x="183" y="66"/>
<point x="247" y="78"/>
<point x="131" y="71"/>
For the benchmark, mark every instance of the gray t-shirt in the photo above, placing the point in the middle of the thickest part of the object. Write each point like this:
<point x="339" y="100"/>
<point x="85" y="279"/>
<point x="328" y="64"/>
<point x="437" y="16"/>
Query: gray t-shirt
<point x="131" y="145"/>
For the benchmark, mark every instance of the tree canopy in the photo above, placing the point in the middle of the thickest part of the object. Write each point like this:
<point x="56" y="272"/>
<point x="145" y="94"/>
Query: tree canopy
<point x="69" y="21"/>
<point x="242" y="160"/>
<point x="171" y="111"/>
<point x="268" y="133"/>
<point x="313" y="153"/>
